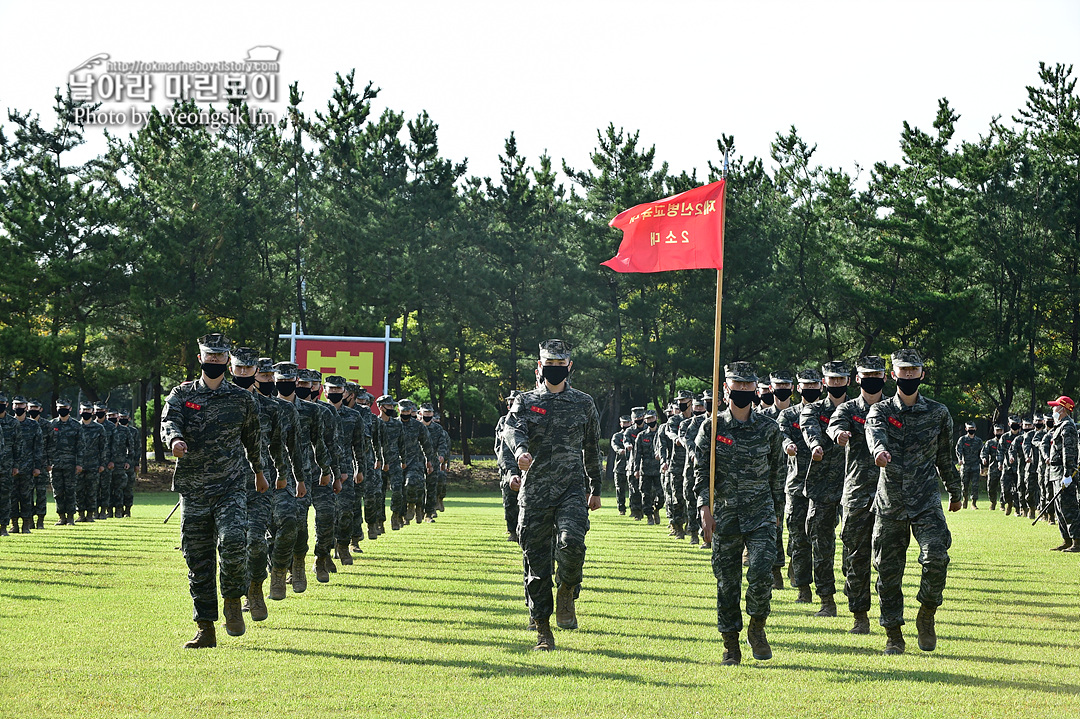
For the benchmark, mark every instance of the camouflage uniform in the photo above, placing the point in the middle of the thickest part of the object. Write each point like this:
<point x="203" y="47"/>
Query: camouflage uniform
<point x="860" y="486"/>
<point x="353" y="441"/>
<point x="508" y="470"/>
<point x="991" y="455"/>
<point x="919" y="439"/>
<point x="66" y="445"/>
<point x="969" y="455"/>
<point x="284" y="520"/>
<point x="644" y="461"/>
<point x="222" y="432"/>
<point x="375" y="491"/>
<point x="109" y="450"/>
<point x="133" y="449"/>
<point x="419" y="453"/>
<point x="824" y="484"/>
<point x="562" y="433"/>
<point x="798" y="548"/>
<point x="749" y="498"/>
<point x="8" y="453"/>
<point x="1044" y="469"/>
<point x="392" y="436"/>
<point x="92" y="458"/>
<point x="622" y="456"/>
<point x="315" y="432"/>
<point x="637" y="415"/>
<point x="1062" y="463"/>
<point x="687" y="437"/>
<point x="30" y="460"/>
<point x="773" y="412"/>
<point x="685" y="501"/>
<point x="1009" y="476"/>
<point x="1034" y="468"/>
<point x="436" y="480"/>
<point x="42" y="481"/>
<point x="360" y="493"/>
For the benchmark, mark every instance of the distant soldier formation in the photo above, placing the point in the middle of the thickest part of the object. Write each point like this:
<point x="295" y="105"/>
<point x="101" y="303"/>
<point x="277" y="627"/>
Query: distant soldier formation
<point x="256" y="454"/>
<point x="89" y="461"/>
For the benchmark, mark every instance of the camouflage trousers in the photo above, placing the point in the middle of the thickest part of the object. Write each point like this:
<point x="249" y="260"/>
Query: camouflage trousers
<point x="441" y="485"/>
<point x="798" y="547"/>
<point x="86" y="489"/>
<point x="890" y="544"/>
<point x="675" y="508"/>
<point x="41" y="493"/>
<point x="993" y="484"/>
<point x="1029" y="496"/>
<point x="6" y="483"/>
<point x="395" y="477"/>
<point x="856" y="535"/>
<point x="727" y="566"/>
<point x="693" y="518"/>
<point x="259" y="511"/>
<point x="1008" y="487"/>
<point x="510" y="506"/>
<point x="345" y="503"/>
<point x="621" y="486"/>
<point x="104" y="492"/>
<point x="359" y="498"/>
<point x="821" y="519"/>
<point x="634" y="489"/>
<point x="971" y="478"/>
<point x="550" y="536"/>
<point x="213" y="528"/>
<point x="652" y="494"/>
<point x="1068" y="513"/>
<point x="431" y="482"/>
<point x="22" y="495"/>
<point x="129" y="487"/>
<point x="325" y="503"/>
<point x="415" y="487"/>
<point x="64" y="482"/>
<point x="282" y="527"/>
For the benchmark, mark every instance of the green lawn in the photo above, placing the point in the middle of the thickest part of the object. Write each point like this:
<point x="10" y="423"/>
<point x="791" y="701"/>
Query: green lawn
<point x="431" y="622"/>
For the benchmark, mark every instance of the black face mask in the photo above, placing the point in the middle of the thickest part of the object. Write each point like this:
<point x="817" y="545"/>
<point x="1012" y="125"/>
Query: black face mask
<point x="683" y="406"/>
<point x="125" y="422"/>
<point x="908" y="386"/>
<point x="767" y="399"/>
<point x="971" y="433"/>
<point x="838" y="392"/>
<point x="741" y="398"/>
<point x="810" y="394"/>
<point x="3" y="407"/>
<point x="86" y="415"/>
<point x="114" y="420"/>
<point x="782" y="394"/>
<point x="757" y="400"/>
<point x="390" y="412"/>
<point x="63" y="411"/>
<point x="406" y="417"/>
<point x="1014" y="426"/>
<point x="651" y="422"/>
<point x="1049" y="423"/>
<point x="20" y="411"/>
<point x="99" y="415"/>
<point x="872" y="385"/>
<point x="244" y="382"/>
<point x="335" y="397"/>
<point x="555" y="374"/>
<point x="303" y="392"/>
<point x="266" y="388"/>
<point x="213" y="370"/>
<point x="285" y="387"/>
<point x="708" y="405"/>
<point x="1040" y="425"/>
<point x="639" y="422"/>
<point x="34" y="413"/>
<point x="699" y="412"/>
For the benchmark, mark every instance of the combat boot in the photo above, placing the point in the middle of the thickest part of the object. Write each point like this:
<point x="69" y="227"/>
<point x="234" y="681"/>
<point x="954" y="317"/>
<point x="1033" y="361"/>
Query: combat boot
<point x="1063" y="546"/>
<point x="828" y="607"/>
<point x="532" y="625"/>
<point x="395" y="521"/>
<point x="14" y="525"/>
<point x="680" y="533"/>
<point x="372" y="533"/>
<point x="354" y="545"/>
<point x="649" y="516"/>
<point x="974" y="504"/>
<point x="512" y="537"/>
<point x="777" y="578"/>
<point x="41" y="521"/>
<point x="204" y="637"/>
<point x="706" y="545"/>
<point x="965" y="503"/>
<point x="732" y="651"/>
<point x="622" y="512"/>
<point x="440" y="507"/>
<point x="234" y="618"/>
<point x="545" y="640"/>
<point x="299" y="577"/>
<point x="419" y="513"/>
<point x="1008" y="509"/>
<point x="330" y="566"/>
<point x="894" y="642"/>
<point x="27" y="521"/>
<point x="1074" y="548"/>
<point x="993" y="505"/>
<point x="924" y="624"/>
<point x="321" y="572"/>
<point x="62" y="521"/>
<point x="277" y="584"/>
<point x="108" y="512"/>
<point x="408" y="513"/>
<point x="671" y="529"/>
<point x="344" y="554"/>
<point x="656" y="516"/>
<point x="89" y="515"/>
<point x="755" y="637"/>
<point x="565" y="616"/>
<point x="3" y="530"/>
<point x="694" y="539"/>
<point x="804" y="595"/>
<point x="862" y="624"/>
<point x="256" y="602"/>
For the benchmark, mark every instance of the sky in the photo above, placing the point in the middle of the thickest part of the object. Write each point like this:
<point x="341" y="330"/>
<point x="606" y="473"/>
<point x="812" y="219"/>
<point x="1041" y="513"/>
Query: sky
<point x="845" y="74"/>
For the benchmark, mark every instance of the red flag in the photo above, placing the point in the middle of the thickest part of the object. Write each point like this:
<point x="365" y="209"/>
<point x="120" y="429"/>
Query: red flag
<point x="681" y="232"/>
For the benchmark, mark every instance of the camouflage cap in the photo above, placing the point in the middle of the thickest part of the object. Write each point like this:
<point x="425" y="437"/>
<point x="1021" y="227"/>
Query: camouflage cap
<point x="999" y="425"/>
<point x="245" y="357"/>
<point x="264" y="365"/>
<point x="706" y="395"/>
<point x="3" y="397"/>
<point x="835" y="368"/>
<point x="554" y="349"/>
<point x="385" y="399"/>
<point x="684" y="394"/>
<point x="124" y="413"/>
<point x="906" y="358"/>
<point x="740" y="372"/>
<point x="354" y="389"/>
<point x="1014" y="418"/>
<point x="112" y="411"/>
<point x="86" y="404"/>
<point x="624" y="418"/>
<point x="969" y="425"/>
<point x="306" y="375"/>
<point x="335" y="380"/>
<point x="286" y="370"/>
<point x="33" y="403"/>
<point x="637" y="412"/>
<point x="782" y="375"/>
<point x="97" y="405"/>
<point x="1027" y="421"/>
<point x="650" y="413"/>
<point x="61" y="402"/>
<point x="697" y="402"/>
<point x="19" y="399"/>
<point x="407" y="405"/>
<point x="870" y="363"/>
<point x="426" y="407"/>
<point x="809" y="375"/>
<point x="214" y="343"/>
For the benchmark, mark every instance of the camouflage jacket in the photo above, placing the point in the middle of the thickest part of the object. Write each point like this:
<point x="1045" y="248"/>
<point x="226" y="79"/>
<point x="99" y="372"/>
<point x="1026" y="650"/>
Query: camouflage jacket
<point x="788" y="419"/>
<point x="677" y="457"/>
<point x="354" y="441"/>
<point x="772" y="411"/>
<point x="129" y="445"/>
<point x="111" y="447"/>
<point x="750" y="466"/>
<point x="46" y="442"/>
<point x="12" y="446"/>
<point x="293" y="436"/>
<point x="824" y="481"/>
<point x="418" y="448"/>
<point x="991" y="452"/>
<point x="331" y="427"/>
<point x="30" y="456"/>
<point x="561" y="430"/>
<point x="91" y="446"/>
<point x="222" y="432"/>
<point x="644" y="458"/>
<point x="65" y="442"/>
<point x="1036" y="454"/>
<point x="1063" y="450"/>
<point x="919" y="439"/>
<point x="281" y="456"/>
<point x="969" y="451"/>
<point x="1008" y="454"/>
<point x="688" y="431"/>
<point x="442" y="444"/>
<point x="391" y="441"/>
<point x="504" y="456"/>
<point x="622" y="455"/>
<point x="860" y="472"/>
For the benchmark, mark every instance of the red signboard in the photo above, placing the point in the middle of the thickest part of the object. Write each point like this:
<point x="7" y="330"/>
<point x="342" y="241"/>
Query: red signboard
<point x="360" y="362"/>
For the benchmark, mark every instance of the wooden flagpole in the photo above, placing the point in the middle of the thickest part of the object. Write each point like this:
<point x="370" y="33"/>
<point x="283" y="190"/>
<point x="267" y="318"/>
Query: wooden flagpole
<point x="716" y="344"/>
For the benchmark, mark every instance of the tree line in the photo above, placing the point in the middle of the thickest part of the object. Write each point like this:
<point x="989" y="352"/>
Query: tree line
<point x="343" y="221"/>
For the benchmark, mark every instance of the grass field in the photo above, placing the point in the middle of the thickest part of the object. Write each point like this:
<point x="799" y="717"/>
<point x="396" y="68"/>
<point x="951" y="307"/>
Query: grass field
<point x="431" y="622"/>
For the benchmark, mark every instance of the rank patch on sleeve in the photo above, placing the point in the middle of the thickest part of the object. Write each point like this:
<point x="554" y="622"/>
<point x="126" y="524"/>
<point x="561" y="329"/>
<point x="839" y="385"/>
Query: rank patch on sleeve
<point x="726" y="440"/>
<point x="538" y="410"/>
<point x="860" y="420"/>
<point x="192" y="405"/>
<point x="895" y="422"/>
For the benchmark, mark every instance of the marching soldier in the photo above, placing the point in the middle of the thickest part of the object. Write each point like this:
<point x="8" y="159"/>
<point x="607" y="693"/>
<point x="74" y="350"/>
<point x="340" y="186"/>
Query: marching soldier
<point x="685" y="502"/>
<point x="91" y="463"/>
<point x="393" y="450"/>
<point x="646" y="466"/>
<point x="352" y="440"/>
<point x="969" y="455"/>
<point x="416" y="461"/>
<point x="8" y="468"/>
<point x="132" y="456"/>
<point x="509" y="474"/>
<point x="622" y="459"/>
<point x="800" y="572"/>
<point x="1009" y="475"/>
<point x="65" y="448"/>
<point x="440" y="441"/>
<point x="40" y="499"/>
<point x="993" y="461"/>
<point x="1062" y="465"/>
<point x="687" y="437"/>
<point x="321" y="494"/>
<point x="30" y="463"/>
<point x="637" y="418"/>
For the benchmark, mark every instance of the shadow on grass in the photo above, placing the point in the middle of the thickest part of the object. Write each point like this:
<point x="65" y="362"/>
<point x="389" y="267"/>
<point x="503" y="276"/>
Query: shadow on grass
<point x="54" y="582"/>
<point x="931" y="676"/>
<point x="27" y="597"/>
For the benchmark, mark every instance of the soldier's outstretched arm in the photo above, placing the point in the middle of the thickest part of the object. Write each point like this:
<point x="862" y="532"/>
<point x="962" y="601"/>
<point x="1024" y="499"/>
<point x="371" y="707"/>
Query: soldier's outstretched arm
<point x="172" y="420"/>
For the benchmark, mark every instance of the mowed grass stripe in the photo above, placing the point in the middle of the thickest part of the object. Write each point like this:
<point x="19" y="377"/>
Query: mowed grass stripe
<point x="430" y="621"/>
